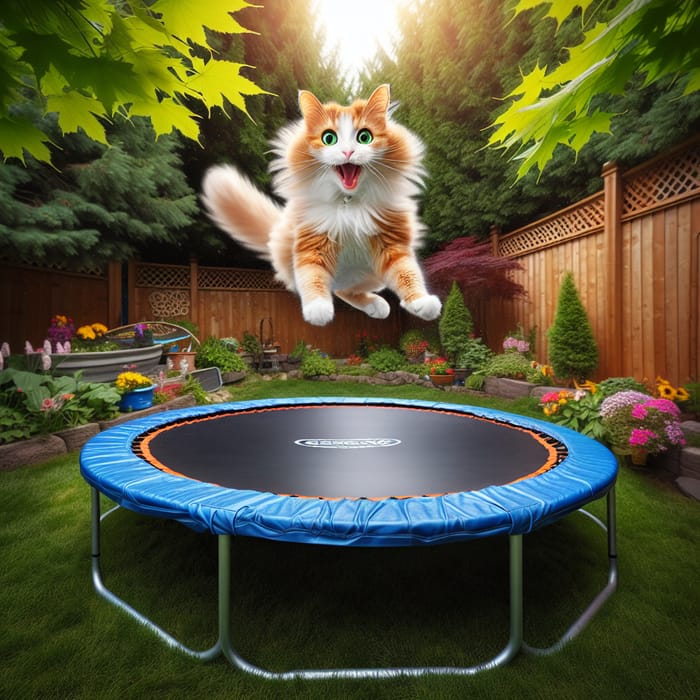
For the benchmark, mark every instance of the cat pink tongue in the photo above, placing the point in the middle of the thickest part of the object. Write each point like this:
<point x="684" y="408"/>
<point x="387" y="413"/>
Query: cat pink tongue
<point x="349" y="174"/>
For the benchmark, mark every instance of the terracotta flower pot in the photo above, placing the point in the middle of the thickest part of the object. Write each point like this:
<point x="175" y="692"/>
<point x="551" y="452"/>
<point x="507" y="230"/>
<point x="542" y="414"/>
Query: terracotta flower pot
<point x="442" y="379"/>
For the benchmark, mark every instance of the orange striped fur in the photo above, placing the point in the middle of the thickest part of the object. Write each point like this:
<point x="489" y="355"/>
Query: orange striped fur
<point x="350" y="177"/>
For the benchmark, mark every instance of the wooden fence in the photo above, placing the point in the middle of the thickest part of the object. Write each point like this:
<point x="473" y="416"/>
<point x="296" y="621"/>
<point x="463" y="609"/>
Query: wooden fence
<point x="632" y="248"/>
<point x="633" y="251"/>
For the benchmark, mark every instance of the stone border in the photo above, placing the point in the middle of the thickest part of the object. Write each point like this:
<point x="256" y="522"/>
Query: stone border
<point x="43" y="447"/>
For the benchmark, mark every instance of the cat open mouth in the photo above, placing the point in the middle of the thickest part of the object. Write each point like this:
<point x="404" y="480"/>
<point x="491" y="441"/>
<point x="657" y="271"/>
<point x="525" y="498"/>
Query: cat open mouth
<point x="349" y="174"/>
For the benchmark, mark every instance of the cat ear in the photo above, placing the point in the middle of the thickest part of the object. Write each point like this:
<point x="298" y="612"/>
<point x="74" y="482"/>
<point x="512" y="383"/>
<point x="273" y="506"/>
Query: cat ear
<point x="310" y="105"/>
<point x="378" y="103"/>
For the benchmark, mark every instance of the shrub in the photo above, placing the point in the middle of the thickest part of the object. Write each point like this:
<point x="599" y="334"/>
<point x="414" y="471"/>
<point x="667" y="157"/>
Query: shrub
<point x="475" y="355"/>
<point x="315" y="364"/>
<point x="386" y="360"/>
<point x="573" y="352"/>
<point x="413" y="344"/>
<point x="612" y="385"/>
<point x="455" y="324"/>
<point x="215" y="353"/>
<point x="510" y="364"/>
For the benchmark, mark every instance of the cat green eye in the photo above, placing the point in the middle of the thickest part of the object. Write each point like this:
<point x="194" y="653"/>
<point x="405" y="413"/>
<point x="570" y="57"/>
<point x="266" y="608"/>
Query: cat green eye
<point x="364" y="136"/>
<point x="329" y="137"/>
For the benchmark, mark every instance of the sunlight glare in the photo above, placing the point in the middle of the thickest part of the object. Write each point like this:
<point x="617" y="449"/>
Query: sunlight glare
<point x="357" y="28"/>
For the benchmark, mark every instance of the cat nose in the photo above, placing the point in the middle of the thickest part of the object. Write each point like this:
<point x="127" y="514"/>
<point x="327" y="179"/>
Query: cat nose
<point x="347" y="154"/>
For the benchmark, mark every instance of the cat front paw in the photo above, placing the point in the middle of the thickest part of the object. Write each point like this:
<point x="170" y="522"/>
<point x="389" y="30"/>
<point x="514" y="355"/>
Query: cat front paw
<point x="318" y="312"/>
<point x="378" y="308"/>
<point x="428" y="307"/>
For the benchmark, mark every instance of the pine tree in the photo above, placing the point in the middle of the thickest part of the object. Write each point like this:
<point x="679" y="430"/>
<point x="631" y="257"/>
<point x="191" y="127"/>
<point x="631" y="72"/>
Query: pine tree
<point x="455" y="324"/>
<point x="573" y="352"/>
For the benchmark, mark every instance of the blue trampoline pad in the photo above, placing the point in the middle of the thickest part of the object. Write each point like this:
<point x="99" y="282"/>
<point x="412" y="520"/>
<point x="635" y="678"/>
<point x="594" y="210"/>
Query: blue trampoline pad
<point x="367" y="472"/>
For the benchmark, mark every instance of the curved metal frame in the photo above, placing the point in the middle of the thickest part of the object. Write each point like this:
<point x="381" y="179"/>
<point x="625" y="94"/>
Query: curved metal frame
<point x="224" y="643"/>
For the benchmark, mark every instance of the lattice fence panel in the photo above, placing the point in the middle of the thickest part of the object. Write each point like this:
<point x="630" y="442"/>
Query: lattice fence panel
<point x="224" y="278"/>
<point x="582" y="220"/>
<point x="162" y="276"/>
<point x="98" y="271"/>
<point x="679" y="175"/>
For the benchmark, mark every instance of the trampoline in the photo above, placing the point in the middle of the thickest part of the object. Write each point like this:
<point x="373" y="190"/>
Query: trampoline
<point x="352" y="472"/>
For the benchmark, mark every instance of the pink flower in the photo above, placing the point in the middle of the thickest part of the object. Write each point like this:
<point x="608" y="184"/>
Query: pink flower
<point x="639" y="412"/>
<point x="47" y="404"/>
<point x="639" y="437"/>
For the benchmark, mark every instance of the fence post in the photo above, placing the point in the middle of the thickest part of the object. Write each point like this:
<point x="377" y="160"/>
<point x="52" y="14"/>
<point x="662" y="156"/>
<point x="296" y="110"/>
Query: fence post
<point x="612" y="190"/>
<point x="114" y="294"/>
<point x="194" y="289"/>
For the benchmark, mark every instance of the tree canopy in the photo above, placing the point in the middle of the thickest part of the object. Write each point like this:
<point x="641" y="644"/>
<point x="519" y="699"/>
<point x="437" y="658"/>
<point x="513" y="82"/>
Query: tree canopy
<point x="89" y="61"/>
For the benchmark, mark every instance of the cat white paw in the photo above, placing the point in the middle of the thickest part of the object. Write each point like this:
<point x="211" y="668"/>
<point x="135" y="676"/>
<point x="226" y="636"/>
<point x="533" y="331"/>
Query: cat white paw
<point x="428" y="307"/>
<point x="379" y="308"/>
<point x="318" y="312"/>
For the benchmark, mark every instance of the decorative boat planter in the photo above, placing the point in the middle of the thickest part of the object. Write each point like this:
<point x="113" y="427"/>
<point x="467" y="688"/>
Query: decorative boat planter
<point x="105" y="366"/>
<point x="137" y="399"/>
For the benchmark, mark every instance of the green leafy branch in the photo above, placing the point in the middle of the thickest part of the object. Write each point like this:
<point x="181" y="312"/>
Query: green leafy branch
<point x="89" y="60"/>
<point x="653" y="37"/>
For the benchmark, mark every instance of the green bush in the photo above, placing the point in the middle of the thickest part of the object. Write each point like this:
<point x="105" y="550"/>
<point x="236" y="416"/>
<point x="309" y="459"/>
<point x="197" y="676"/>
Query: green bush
<point x="573" y="352"/>
<point x="455" y="324"/>
<point x="475" y="355"/>
<point x="512" y="365"/>
<point x="612" y="385"/>
<point x="214" y="352"/>
<point x="386" y="360"/>
<point x="315" y="364"/>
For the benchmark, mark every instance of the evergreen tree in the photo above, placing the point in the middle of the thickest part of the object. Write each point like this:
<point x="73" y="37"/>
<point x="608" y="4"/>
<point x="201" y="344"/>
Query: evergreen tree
<point x="455" y="324"/>
<point x="573" y="352"/>
<point x="104" y="204"/>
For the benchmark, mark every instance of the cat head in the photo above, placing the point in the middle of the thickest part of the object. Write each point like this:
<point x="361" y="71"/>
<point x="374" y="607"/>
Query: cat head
<point x="349" y="150"/>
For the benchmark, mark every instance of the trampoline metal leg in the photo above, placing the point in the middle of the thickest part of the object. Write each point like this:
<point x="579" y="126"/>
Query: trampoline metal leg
<point x="609" y="588"/>
<point x="115" y="600"/>
<point x="512" y="648"/>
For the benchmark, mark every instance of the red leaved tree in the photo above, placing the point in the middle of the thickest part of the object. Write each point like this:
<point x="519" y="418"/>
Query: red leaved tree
<point x="480" y="274"/>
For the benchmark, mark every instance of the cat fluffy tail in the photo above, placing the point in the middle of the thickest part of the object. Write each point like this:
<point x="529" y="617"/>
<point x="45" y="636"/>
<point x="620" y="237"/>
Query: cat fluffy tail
<point x="239" y="207"/>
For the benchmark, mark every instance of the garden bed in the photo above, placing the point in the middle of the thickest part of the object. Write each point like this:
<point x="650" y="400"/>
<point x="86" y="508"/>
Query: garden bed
<point x="43" y="447"/>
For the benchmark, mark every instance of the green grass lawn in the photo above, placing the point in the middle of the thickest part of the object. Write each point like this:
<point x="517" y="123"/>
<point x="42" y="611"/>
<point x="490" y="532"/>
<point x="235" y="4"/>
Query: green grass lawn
<point x="314" y="606"/>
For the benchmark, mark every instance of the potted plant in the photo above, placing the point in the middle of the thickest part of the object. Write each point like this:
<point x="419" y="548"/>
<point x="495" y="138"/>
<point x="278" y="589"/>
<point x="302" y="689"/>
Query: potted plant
<point x="440" y="372"/>
<point x="136" y="391"/>
<point x="640" y="425"/>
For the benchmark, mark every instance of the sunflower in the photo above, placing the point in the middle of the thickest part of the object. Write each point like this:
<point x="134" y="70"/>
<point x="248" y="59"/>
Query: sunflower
<point x="682" y="395"/>
<point x="666" y="391"/>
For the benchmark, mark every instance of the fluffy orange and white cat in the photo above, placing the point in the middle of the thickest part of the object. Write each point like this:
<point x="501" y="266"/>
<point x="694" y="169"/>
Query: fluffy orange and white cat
<point x="350" y="177"/>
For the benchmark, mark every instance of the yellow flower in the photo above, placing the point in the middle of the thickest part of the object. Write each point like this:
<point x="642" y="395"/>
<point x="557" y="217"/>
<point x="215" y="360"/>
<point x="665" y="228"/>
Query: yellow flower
<point x="99" y="329"/>
<point x="86" y="333"/>
<point x="682" y="395"/>
<point x="128" y="381"/>
<point x="666" y="391"/>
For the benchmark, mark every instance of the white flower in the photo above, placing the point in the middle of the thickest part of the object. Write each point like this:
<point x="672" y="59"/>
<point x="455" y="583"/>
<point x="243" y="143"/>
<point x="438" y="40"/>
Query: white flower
<point x="46" y="361"/>
<point x="28" y="349"/>
<point x="5" y="350"/>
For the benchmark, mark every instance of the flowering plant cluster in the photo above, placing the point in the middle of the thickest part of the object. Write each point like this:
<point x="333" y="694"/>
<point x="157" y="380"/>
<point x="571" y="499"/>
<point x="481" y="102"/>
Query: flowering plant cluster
<point x="353" y="360"/>
<point x="633" y="420"/>
<point x="514" y="344"/>
<point x="414" y="349"/>
<point x="578" y="410"/>
<point x="128" y="381"/>
<point x="438" y="365"/>
<point x="61" y="331"/>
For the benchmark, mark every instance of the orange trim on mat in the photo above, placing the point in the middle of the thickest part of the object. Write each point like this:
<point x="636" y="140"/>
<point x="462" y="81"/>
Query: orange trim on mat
<point x="142" y="443"/>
